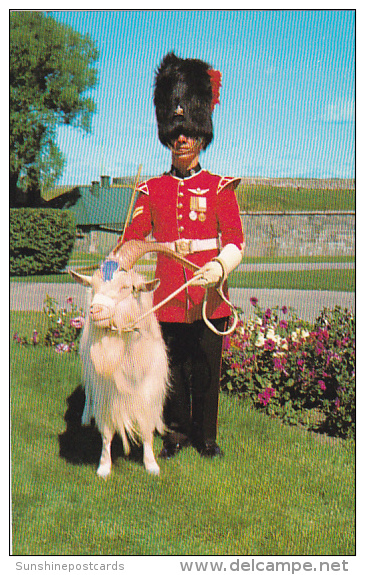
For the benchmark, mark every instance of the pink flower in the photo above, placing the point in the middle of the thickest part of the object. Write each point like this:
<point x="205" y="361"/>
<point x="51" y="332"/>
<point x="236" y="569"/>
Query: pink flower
<point x="62" y="347"/>
<point x="284" y="309"/>
<point x="69" y="300"/>
<point x="269" y="345"/>
<point x="319" y="348"/>
<point x="266" y="395"/>
<point x="300" y="363"/>
<point x="283" y="324"/>
<point x="253" y="301"/>
<point x="279" y="363"/>
<point x="322" y="385"/>
<point x="77" y="322"/>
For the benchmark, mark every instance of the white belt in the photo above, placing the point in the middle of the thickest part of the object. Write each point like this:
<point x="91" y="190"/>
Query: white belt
<point x="184" y="247"/>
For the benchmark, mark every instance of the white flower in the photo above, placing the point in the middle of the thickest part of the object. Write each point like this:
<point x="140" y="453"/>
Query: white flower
<point x="277" y="339"/>
<point x="270" y="333"/>
<point x="260" y="342"/>
<point x="305" y="333"/>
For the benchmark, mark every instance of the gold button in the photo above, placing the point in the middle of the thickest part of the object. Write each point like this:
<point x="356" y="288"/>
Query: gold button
<point x="180" y="229"/>
<point x="179" y="205"/>
<point x="180" y="194"/>
<point x="179" y="217"/>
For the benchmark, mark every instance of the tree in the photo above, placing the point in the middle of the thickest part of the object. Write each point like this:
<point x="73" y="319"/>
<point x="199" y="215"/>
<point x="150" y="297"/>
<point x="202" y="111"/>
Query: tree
<point x="51" y="74"/>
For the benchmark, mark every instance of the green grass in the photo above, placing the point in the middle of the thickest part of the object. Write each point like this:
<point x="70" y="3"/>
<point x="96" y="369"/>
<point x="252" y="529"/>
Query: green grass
<point x="278" y="490"/>
<point x="258" y="198"/>
<point x="326" y="280"/>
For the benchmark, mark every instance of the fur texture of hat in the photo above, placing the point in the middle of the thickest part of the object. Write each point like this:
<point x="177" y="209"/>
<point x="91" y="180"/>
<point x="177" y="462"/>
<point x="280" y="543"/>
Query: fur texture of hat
<point x="186" y="91"/>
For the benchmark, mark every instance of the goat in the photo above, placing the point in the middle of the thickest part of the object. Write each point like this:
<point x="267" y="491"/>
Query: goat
<point x="125" y="371"/>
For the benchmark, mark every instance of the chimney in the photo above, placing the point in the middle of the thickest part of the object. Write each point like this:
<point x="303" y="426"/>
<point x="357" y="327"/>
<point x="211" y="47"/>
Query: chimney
<point x="95" y="186"/>
<point x="105" y="181"/>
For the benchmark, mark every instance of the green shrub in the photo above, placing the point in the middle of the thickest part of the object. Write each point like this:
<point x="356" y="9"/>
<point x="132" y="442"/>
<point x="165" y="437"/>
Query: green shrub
<point x="287" y="368"/>
<point x="41" y="240"/>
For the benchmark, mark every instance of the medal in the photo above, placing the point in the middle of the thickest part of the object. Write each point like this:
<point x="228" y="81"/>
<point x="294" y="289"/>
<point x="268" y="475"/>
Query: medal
<point x="198" y="207"/>
<point x="193" y="215"/>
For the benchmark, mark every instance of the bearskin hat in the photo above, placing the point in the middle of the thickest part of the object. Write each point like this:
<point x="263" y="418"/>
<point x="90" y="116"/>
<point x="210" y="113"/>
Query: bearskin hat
<point x="186" y="91"/>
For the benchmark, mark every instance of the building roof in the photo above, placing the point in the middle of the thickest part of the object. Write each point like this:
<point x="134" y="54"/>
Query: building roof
<point x="102" y="206"/>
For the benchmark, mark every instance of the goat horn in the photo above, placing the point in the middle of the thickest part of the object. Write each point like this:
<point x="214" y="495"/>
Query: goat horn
<point x="129" y="253"/>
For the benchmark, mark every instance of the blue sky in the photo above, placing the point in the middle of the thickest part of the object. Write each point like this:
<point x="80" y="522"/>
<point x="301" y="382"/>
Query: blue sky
<point x="287" y="99"/>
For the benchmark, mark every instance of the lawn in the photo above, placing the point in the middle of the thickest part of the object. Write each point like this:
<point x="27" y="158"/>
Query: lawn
<point x="327" y="280"/>
<point x="258" y="198"/>
<point x="278" y="491"/>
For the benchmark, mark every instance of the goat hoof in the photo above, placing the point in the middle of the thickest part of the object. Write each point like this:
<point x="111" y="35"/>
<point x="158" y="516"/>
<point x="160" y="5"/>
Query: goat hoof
<point x="103" y="471"/>
<point x="153" y="469"/>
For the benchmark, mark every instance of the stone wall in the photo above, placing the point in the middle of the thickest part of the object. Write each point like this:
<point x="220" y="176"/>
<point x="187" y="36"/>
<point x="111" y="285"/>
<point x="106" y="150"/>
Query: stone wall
<point x="299" y="234"/>
<point x="269" y="234"/>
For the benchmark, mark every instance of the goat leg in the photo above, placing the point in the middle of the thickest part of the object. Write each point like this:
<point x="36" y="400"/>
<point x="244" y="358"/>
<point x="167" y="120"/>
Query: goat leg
<point x="105" y="463"/>
<point x="149" y="460"/>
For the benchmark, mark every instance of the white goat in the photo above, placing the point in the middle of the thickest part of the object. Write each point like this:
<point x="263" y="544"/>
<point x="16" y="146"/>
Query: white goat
<point x="125" y="372"/>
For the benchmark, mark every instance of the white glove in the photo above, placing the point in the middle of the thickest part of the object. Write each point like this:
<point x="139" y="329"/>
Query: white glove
<point x="212" y="272"/>
<point x="222" y="265"/>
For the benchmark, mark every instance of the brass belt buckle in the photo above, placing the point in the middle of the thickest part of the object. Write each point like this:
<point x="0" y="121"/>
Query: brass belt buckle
<point x="183" y="247"/>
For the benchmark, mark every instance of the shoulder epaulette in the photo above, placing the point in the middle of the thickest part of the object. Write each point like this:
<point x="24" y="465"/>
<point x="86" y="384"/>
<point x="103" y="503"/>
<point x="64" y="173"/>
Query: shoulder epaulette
<point x="143" y="187"/>
<point x="225" y="181"/>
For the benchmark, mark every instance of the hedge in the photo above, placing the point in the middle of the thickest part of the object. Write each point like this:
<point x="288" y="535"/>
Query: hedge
<point x="41" y="240"/>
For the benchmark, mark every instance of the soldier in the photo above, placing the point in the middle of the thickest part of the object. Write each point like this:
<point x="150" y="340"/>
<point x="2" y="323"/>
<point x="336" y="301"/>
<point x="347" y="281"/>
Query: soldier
<point x="195" y="213"/>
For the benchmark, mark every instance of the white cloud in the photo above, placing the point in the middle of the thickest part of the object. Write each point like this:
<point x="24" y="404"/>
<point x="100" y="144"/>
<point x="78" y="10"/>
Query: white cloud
<point x="340" y="111"/>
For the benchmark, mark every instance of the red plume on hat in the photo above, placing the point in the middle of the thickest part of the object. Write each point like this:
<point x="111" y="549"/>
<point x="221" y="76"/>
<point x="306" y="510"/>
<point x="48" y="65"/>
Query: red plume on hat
<point x="216" y="83"/>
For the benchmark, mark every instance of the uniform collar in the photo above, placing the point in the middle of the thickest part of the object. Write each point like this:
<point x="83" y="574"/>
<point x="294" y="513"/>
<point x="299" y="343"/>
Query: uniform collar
<point x="182" y="175"/>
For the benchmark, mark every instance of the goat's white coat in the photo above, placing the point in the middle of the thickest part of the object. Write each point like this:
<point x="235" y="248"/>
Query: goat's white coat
<point x="125" y="373"/>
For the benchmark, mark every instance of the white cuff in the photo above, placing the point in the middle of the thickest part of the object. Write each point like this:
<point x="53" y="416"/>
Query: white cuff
<point x="229" y="258"/>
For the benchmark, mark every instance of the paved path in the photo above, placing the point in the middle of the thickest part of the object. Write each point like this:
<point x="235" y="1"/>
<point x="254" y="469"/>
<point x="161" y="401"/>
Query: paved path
<point x="295" y="266"/>
<point x="280" y="267"/>
<point x="307" y="304"/>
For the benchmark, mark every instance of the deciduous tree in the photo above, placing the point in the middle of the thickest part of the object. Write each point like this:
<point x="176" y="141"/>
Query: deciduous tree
<point x="52" y="73"/>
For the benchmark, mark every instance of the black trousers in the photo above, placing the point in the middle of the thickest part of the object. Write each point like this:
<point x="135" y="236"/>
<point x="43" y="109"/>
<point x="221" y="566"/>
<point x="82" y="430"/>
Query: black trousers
<point x="195" y="356"/>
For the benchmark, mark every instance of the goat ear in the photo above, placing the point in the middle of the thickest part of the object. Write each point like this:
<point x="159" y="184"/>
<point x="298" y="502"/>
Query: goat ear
<point x="81" y="279"/>
<point x="150" y="286"/>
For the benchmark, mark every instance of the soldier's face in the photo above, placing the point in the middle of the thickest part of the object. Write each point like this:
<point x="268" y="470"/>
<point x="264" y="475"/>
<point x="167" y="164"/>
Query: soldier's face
<point x="186" y="148"/>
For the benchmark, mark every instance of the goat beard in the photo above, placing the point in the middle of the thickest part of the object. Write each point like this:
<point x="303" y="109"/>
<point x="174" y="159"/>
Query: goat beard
<point x="105" y="358"/>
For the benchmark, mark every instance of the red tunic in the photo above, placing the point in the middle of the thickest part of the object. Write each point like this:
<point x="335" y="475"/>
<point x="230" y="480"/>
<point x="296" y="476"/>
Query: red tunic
<point x="201" y="206"/>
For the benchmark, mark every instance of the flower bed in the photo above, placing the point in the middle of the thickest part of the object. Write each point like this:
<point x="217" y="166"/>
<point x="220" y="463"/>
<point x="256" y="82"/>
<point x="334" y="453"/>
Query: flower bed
<point x="64" y="325"/>
<point x="291" y="369"/>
